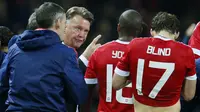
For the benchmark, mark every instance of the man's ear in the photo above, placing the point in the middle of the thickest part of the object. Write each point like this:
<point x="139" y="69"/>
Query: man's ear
<point x="152" y="32"/>
<point x="118" y="27"/>
<point x="176" y="35"/>
<point x="58" y="23"/>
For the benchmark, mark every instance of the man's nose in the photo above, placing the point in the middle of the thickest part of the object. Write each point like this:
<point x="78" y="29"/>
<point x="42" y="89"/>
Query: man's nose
<point x="82" y="34"/>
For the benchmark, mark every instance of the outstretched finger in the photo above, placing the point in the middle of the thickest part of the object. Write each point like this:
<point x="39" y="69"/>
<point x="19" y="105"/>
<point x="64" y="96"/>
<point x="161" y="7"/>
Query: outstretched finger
<point x="95" y="40"/>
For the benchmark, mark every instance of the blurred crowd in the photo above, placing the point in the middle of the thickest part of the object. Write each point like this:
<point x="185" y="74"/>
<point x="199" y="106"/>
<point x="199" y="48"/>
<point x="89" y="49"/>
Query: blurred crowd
<point x="15" y="13"/>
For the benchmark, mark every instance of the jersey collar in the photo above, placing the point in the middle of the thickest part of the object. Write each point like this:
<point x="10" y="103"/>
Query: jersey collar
<point x="162" y="38"/>
<point x="122" y="42"/>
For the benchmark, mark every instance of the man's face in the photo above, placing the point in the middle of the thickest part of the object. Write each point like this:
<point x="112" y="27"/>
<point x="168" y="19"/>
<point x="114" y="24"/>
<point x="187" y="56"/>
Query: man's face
<point x="76" y="31"/>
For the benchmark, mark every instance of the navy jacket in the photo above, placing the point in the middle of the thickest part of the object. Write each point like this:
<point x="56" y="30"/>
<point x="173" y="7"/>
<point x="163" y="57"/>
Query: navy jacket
<point x="3" y="96"/>
<point x="13" y="40"/>
<point x="2" y="56"/>
<point x="71" y="106"/>
<point x="42" y="74"/>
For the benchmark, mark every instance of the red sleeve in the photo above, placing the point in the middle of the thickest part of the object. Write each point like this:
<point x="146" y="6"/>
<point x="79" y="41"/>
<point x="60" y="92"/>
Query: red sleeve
<point x="122" y="67"/>
<point x="90" y="75"/>
<point x="194" y="41"/>
<point x="191" y="70"/>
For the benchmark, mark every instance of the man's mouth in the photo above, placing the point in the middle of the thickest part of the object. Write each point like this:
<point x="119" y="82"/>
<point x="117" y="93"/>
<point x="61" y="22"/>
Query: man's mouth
<point x="79" y="40"/>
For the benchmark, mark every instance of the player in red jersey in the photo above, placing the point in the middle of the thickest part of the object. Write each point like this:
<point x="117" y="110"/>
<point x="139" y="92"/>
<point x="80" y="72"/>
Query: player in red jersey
<point x="194" y="41"/>
<point x="102" y="63"/>
<point x="159" y="68"/>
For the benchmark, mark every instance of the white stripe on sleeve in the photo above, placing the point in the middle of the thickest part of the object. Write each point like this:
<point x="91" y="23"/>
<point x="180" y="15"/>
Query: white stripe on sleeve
<point x="121" y="72"/>
<point x="196" y="51"/>
<point x="91" y="81"/>
<point x="194" y="77"/>
<point x="84" y="60"/>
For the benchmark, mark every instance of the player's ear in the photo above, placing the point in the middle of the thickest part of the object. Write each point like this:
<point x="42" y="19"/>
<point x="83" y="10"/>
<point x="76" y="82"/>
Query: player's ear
<point x="176" y="35"/>
<point x="118" y="27"/>
<point x="152" y="32"/>
<point x="58" y="23"/>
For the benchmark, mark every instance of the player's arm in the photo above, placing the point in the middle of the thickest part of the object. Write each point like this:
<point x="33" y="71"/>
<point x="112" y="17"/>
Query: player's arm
<point x="120" y="78"/>
<point x="189" y="89"/>
<point x="189" y="84"/>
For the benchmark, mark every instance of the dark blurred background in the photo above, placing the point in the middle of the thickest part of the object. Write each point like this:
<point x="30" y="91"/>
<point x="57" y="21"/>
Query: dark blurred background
<point x="15" y="13"/>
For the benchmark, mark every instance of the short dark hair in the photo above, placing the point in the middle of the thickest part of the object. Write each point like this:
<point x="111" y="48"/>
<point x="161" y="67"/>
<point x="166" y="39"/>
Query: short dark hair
<point x="82" y="11"/>
<point x="165" y="21"/>
<point x="48" y="13"/>
<point x="5" y="35"/>
<point x="130" y="22"/>
<point x="32" y="23"/>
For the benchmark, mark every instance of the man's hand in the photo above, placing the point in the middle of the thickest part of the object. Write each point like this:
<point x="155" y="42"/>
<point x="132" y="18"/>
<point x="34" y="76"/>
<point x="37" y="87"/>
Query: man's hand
<point x="92" y="47"/>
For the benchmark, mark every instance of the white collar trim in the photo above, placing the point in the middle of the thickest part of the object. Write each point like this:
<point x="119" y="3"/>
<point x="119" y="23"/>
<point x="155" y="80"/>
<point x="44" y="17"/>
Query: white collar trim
<point x="122" y="42"/>
<point x="162" y="38"/>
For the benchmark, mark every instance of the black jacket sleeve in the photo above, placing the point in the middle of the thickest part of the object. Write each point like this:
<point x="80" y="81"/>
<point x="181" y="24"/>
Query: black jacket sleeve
<point x="71" y="106"/>
<point x="82" y="66"/>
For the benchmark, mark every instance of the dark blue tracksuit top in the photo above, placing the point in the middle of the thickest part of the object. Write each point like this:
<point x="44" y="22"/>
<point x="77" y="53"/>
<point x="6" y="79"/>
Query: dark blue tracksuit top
<point x="42" y="74"/>
<point x="3" y="96"/>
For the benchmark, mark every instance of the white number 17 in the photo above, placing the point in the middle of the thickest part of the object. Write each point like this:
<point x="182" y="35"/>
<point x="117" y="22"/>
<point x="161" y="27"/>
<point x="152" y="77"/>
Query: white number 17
<point x="169" y="68"/>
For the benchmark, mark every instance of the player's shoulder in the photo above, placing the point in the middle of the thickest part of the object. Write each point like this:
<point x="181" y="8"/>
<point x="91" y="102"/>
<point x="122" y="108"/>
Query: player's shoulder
<point x="112" y="44"/>
<point x="140" y="40"/>
<point x="182" y="45"/>
<point x="108" y="44"/>
<point x="197" y="26"/>
<point x="196" y="31"/>
<point x="103" y="48"/>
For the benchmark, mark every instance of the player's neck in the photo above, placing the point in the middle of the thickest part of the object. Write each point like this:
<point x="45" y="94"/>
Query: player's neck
<point x="166" y="34"/>
<point x="125" y="38"/>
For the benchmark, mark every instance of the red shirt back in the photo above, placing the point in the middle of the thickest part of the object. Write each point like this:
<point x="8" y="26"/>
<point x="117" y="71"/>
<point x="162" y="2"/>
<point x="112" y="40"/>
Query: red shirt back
<point x="158" y="67"/>
<point x="194" y="41"/>
<point x="100" y="69"/>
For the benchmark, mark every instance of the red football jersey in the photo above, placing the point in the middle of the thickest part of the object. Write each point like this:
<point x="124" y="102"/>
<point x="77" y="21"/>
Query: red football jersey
<point x="100" y="69"/>
<point x="158" y="67"/>
<point x="194" y="41"/>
